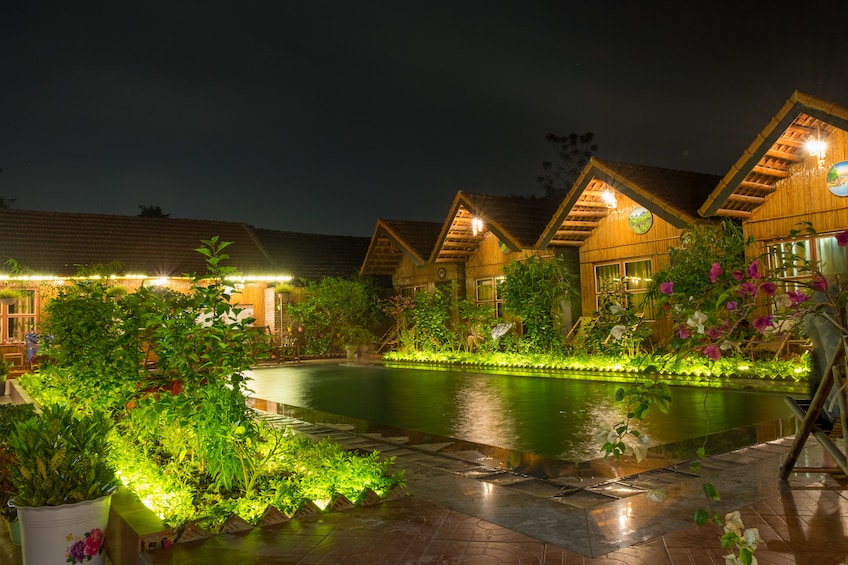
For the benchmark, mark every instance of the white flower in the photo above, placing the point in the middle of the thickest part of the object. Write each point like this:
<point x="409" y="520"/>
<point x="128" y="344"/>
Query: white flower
<point x="697" y="321"/>
<point x="727" y="344"/>
<point x="731" y="560"/>
<point x="640" y="451"/>
<point x="733" y="523"/>
<point x="751" y="538"/>
<point x="606" y="434"/>
<point x="616" y="308"/>
<point x="617" y="332"/>
<point x="782" y="301"/>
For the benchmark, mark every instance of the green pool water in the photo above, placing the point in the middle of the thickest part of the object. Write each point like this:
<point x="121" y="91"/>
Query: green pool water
<point x="552" y="417"/>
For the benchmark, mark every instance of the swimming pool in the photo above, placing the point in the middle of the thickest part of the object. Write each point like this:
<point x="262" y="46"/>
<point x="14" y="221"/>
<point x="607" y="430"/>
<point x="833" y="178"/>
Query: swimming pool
<point x="552" y="417"/>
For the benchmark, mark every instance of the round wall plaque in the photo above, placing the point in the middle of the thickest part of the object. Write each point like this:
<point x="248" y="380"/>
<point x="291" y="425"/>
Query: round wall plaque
<point x="837" y="179"/>
<point x="640" y="220"/>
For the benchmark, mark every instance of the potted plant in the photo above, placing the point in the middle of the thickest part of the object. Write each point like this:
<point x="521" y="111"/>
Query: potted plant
<point x="63" y="485"/>
<point x="284" y="288"/>
<point x="9" y="295"/>
<point x="355" y="340"/>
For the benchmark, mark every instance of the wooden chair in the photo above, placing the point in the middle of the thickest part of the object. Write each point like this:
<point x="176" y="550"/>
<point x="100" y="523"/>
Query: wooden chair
<point x="770" y="347"/>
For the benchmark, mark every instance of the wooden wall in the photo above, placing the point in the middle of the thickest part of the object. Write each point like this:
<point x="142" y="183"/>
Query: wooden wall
<point x="489" y="260"/>
<point x="803" y="196"/>
<point x="613" y="241"/>
<point x="409" y="274"/>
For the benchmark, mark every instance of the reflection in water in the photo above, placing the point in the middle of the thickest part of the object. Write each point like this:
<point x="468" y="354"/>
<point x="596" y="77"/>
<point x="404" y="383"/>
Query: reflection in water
<point x="481" y="414"/>
<point x="552" y="417"/>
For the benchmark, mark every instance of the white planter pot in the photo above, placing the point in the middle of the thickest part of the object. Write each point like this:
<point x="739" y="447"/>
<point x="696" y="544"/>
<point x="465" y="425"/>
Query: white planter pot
<point x="70" y="533"/>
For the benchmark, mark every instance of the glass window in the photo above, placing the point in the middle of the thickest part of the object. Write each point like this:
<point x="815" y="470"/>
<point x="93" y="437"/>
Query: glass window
<point x="486" y="292"/>
<point x="18" y="318"/>
<point x="833" y="259"/>
<point x="607" y="277"/>
<point x="791" y="258"/>
<point x="634" y="284"/>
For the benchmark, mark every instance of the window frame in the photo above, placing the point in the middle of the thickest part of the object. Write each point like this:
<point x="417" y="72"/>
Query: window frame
<point x="647" y="308"/>
<point x="19" y="318"/>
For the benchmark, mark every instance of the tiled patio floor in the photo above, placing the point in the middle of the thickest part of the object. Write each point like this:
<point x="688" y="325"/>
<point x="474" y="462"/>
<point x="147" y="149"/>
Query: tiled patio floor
<point x="459" y="511"/>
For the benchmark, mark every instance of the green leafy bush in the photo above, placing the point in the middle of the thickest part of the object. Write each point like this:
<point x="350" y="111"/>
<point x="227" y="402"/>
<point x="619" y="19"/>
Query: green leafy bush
<point x="61" y="458"/>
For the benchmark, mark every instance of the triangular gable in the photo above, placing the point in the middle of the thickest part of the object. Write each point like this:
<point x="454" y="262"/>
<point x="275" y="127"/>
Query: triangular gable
<point x="516" y="221"/>
<point x="669" y="194"/>
<point x="767" y="160"/>
<point x="394" y="239"/>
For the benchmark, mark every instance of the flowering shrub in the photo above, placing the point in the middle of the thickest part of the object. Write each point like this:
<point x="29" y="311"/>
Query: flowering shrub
<point x="743" y="305"/>
<point x="616" y="329"/>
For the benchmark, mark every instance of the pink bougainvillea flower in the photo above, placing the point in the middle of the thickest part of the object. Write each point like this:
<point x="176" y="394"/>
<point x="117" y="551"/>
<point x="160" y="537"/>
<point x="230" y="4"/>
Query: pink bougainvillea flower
<point x="746" y="289"/>
<point x="754" y="269"/>
<point x="769" y="288"/>
<point x="842" y="239"/>
<point x="683" y="332"/>
<point x="667" y="287"/>
<point x="714" y="332"/>
<point x="762" y="323"/>
<point x="819" y="283"/>
<point x="713" y="352"/>
<point x="731" y="305"/>
<point x="796" y="297"/>
<point x="715" y="272"/>
<point x="738" y="274"/>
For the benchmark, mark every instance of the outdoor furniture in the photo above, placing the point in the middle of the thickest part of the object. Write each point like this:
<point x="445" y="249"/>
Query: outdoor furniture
<point x="809" y="414"/>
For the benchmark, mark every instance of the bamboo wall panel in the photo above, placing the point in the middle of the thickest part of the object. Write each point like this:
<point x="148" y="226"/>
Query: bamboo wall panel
<point x="489" y="260"/>
<point x="409" y="274"/>
<point x="614" y="241"/>
<point x="803" y="196"/>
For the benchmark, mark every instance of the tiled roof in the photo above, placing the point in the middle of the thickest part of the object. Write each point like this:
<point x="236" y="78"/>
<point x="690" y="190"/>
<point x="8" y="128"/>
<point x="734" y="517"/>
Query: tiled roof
<point x="393" y="239"/>
<point x="767" y="160"/>
<point x="314" y="256"/>
<point x="517" y="221"/>
<point x="56" y="243"/>
<point x="671" y="194"/>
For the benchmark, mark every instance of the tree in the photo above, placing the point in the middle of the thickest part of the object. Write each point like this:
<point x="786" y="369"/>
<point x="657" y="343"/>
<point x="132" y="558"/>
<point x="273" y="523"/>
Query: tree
<point x="336" y="312"/>
<point x="151" y="211"/>
<point x="574" y="152"/>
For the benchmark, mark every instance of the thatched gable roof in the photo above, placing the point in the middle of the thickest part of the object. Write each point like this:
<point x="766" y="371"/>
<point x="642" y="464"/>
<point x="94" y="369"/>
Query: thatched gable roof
<point x="767" y="160"/>
<point x="394" y="239"/>
<point x="516" y="221"/>
<point x="57" y="243"/>
<point x="670" y="194"/>
<point x="313" y="256"/>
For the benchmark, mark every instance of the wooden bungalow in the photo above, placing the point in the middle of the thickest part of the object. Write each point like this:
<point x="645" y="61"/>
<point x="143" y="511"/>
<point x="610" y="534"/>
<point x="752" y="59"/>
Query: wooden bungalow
<point x="50" y="248"/>
<point x="479" y="237"/>
<point x="622" y="218"/>
<point x="484" y="233"/>
<point x="401" y="250"/>
<point x="795" y="170"/>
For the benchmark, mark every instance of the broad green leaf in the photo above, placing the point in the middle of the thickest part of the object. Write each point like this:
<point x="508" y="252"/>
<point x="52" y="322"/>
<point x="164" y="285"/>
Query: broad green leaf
<point x="711" y="492"/>
<point x="701" y="516"/>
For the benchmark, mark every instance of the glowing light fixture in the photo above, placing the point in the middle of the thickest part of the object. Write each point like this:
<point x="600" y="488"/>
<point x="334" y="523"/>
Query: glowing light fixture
<point x="608" y="196"/>
<point x="476" y="226"/>
<point x="817" y="147"/>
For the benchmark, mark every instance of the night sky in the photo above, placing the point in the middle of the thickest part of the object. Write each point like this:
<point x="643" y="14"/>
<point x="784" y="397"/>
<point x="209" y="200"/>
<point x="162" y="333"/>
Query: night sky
<point x="321" y="117"/>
